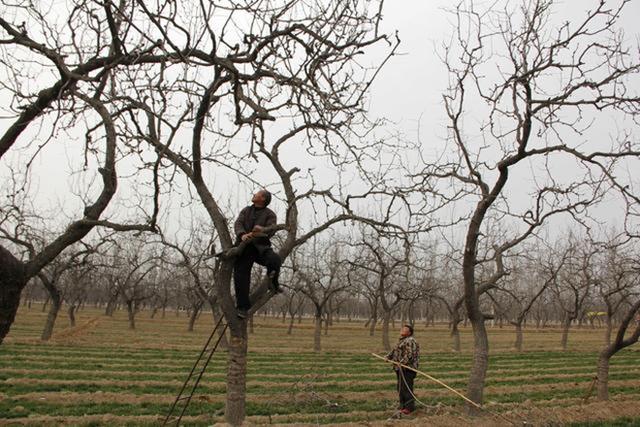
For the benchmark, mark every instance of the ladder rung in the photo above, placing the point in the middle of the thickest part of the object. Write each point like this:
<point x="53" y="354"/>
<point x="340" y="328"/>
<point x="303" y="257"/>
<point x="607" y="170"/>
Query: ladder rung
<point x="199" y="376"/>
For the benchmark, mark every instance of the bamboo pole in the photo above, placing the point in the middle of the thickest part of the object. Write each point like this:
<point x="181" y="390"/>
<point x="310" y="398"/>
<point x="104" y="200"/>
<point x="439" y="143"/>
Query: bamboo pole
<point x="430" y="377"/>
<point x="444" y="385"/>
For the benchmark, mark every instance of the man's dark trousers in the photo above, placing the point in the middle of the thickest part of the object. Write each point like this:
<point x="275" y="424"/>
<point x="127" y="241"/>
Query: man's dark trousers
<point x="242" y="270"/>
<point x="405" y="388"/>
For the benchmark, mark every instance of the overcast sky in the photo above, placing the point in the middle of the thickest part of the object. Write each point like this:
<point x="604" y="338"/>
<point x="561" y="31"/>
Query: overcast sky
<point x="410" y="87"/>
<point x="408" y="91"/>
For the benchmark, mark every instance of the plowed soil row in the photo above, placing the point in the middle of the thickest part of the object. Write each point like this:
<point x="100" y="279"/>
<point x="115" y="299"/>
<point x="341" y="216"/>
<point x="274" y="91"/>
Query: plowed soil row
<point x="101" y="373"/>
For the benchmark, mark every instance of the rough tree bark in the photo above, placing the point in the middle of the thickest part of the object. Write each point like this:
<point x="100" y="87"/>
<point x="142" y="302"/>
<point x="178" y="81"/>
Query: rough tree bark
<point x="618" y="344"/>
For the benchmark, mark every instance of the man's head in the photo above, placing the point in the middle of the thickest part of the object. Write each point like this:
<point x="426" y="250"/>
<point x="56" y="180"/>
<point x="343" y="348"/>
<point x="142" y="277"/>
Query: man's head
<point x="261" y="198"/>
<point x="406" y="331"/>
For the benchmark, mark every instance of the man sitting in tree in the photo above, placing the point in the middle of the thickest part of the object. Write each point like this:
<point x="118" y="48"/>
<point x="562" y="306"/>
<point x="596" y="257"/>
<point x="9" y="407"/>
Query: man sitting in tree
<point x="250" y="227"/>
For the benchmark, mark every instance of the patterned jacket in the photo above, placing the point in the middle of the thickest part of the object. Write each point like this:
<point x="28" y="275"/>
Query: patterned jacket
<point x="407" y="352"/>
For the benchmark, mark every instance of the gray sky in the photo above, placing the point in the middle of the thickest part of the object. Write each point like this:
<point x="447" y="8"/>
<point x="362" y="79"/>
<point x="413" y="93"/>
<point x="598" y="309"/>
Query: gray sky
<point x="408" y="90"/>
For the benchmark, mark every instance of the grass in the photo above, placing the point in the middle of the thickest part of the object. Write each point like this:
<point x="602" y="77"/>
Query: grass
<point x="102" y="373"/>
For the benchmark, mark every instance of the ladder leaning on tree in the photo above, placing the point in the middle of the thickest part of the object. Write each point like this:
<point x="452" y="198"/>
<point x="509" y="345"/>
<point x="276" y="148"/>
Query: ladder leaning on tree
<point x="182" y="396"/>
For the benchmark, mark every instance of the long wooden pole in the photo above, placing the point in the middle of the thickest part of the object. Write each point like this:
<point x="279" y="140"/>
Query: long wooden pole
<point x="442" y="384"/>
<point x="430" y="377"/>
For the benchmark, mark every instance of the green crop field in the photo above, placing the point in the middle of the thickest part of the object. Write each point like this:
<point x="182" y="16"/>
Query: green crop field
<point x="102" y="373"/>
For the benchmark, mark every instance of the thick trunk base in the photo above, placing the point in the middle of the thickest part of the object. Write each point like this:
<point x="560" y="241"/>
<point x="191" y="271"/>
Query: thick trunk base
<point x="480" y="363"/>
<point x="564" y="340"/>
<point x="603" y="377"/>
<point x="518" y="343"/>
<point x="386" y="344"/>
<point x="317" y="334"/>
<point x="455" y="335"/>
<point x="54" y="309"/>
<point x="235" y="408"/>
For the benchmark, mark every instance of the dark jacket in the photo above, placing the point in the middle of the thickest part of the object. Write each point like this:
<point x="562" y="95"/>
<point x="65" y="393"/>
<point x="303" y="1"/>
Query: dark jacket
<point x="250" y="217"/>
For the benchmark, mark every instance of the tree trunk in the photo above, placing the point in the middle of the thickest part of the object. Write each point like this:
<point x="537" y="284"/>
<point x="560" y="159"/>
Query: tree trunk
<point x="603" y="375"/>
<point x="224" y="342"/>
<point x="237" y="378"/>
<point x="475" y="388"/>
<point x="518" y="343"/>
<point x="132" y="315"/>
<point x="411" y="315"/>
<point x="455" y="334"/>
<point x="372" y="325"/>
<point x="480" y="362"/>
<point x="54" y="309"/>
<point x="111" y="306"/>
<point x="12" y="281"/>
<point x="251" y="329"/>
<point x="607" y="332"/>
<point x="72" y="315"/>
<point x="293" y="318"/>
<point x="566" y="324"/>
<point x="386" y="318"/>
<point x="193" y="318"/>
<point x="326" y="325"/>
<point x="317" y="332"/>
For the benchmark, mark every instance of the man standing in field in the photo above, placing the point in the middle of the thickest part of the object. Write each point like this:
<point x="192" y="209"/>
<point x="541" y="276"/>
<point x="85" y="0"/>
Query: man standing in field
<point x="406" y="352"/>
<point x="250" y="227"/>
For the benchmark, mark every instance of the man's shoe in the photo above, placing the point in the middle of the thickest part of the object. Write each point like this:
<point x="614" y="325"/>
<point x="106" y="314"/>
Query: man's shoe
<point x="242" y="314"/>
<point x="405" y="411"/>
<point x="273" y="283"/>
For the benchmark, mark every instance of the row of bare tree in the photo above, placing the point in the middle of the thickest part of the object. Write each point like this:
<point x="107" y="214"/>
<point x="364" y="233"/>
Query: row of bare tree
<point x="576" y="280"/>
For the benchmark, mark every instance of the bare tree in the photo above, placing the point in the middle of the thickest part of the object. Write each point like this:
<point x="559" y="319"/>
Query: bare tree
<point x="77" y="56"/>
<point x="53" y="279"/>
<point x="321" y="275"/>
<point x="369" y="290"/>
<point x="387" y="262"/>
<point x="534" y="90"/>
<point x="450" y="294"/>
<point x="292" y="65"/>
<point x="575" y="283"/>
<point x="77" y="289"/>
<point x="134" y="267"/>
<point x="529" y="280"/>
<point x="26" y="233"/>
<point x="617" y="282"/>
<point x="193" y="257"/>
<point x="294" y="302"/>
<point x="620" y="291"/>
